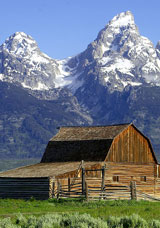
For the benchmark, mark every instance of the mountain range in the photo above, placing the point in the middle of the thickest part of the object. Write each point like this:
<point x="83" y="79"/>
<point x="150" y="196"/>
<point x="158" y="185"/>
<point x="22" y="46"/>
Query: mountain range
<point x="115" y="80"/>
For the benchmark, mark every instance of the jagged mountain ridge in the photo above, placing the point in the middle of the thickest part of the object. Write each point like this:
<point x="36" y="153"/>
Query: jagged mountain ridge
<point x="104" y="84"/>
<point x="119" y="56"/>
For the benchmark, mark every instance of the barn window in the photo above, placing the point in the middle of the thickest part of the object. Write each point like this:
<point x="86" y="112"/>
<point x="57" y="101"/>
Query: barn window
<point x="116" y="178"/>
<point x="143" y="178"/>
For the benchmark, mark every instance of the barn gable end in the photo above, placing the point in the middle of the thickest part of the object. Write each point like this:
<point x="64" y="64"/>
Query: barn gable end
<point x="131" y="146"/>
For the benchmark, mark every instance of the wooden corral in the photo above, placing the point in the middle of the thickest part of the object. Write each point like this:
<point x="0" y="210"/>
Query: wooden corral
<point x="115" y="158"/>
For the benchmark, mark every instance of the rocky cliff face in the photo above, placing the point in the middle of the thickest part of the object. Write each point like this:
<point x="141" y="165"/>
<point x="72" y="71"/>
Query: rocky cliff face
<point x="115" y="80"/>
<point x="120" y="56"/>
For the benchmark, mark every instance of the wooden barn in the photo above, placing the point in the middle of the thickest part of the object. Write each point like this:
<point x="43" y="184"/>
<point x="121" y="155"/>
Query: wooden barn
<point x="118" y="162"/>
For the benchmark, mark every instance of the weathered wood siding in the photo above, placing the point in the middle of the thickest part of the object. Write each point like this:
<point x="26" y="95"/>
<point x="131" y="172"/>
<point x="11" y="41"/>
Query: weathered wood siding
<point x="129" y="172"/>
<point x="131" y="147"/>
<point x="125" y="173"/>
<point x="132" y="172"/>
<point x="24" y="188"/>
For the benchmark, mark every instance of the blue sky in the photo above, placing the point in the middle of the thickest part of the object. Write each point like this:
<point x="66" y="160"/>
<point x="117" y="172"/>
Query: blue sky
<point x="64" y="28"/>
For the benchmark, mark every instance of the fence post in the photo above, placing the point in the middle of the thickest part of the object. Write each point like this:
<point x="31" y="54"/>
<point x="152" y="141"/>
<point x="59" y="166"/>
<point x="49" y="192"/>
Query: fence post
<point x="103" y="181"/>
<point x="86" y="192"/>
<point x="58" y="190"/>
<point x="51" y="188"/>
<point x="53" y="191"/>
<point x="83" y="178"/>
<point x="69" y="185"/>
<point x="133" y="190"/>
<point x="103" y="178"/>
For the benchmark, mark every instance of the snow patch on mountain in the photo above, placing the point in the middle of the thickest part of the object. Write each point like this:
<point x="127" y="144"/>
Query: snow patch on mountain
<point x="64" y="77"/>
<point x="75" y="83"/>
<point x="1" y="77"/>
<point x="68" y="76"/>
<point x="121" y="64"/>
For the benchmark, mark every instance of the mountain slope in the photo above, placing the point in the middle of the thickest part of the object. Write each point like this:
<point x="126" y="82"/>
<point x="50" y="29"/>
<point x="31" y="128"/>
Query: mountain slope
<point x="27" y="123"/>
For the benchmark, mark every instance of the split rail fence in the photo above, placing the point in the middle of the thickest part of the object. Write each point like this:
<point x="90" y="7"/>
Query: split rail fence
<point x="108" y="192"/>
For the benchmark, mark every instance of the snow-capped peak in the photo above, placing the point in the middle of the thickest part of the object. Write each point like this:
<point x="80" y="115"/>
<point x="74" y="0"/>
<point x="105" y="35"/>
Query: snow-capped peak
<point x="120" y="31"/>
<point x="123" y="56"/>
<point x="123" y="19"/>
<point x="20" y="44"/>
<point x="23" y="62"/>
<point x="20" y="36"/>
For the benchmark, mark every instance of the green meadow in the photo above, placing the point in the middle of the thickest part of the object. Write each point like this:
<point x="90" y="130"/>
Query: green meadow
<point x="71" y="212"/>
<point x="145" y="209"/>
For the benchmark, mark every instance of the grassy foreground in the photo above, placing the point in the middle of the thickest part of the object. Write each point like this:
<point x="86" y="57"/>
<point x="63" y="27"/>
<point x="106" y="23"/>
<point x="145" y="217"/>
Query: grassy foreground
<point x="78" y="214"/>
<point x="97" y="209"/>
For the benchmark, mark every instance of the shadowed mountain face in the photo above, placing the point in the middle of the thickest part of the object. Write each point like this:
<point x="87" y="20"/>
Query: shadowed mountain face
<point x="27" y="123"/>
<point x="115" y="80"/>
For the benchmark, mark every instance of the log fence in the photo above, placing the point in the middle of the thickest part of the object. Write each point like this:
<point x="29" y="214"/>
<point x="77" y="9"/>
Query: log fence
<point x="71" y="191"/>
<point x="108" y="192"/>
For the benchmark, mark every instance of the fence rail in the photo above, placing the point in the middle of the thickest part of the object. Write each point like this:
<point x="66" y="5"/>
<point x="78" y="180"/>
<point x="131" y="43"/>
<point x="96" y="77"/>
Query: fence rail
<point x="106" y="192"/>
<point x="109" y="192"/>
<point x="143" y="196"/>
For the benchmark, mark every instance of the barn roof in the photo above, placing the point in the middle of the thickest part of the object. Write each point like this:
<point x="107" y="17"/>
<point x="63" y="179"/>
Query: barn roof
<point x="88" y="133"/>
<point x="81" y="143"/>
<point x="46" y="169"/>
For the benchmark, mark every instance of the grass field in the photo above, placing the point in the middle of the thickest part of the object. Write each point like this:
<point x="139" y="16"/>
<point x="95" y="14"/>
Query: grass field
<point x="102" y="209"/>
<point x="78" y="214"/>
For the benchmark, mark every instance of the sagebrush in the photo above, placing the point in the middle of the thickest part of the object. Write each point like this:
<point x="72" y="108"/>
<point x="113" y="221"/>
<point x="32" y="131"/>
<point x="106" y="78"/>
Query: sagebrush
<point x="77" y="220"/>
